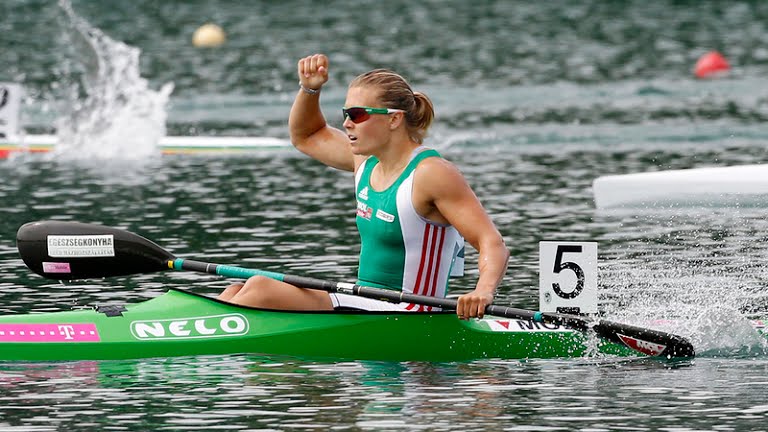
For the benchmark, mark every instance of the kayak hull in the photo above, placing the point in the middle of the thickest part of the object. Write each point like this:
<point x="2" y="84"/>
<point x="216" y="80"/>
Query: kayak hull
<point x="181" y="323"/>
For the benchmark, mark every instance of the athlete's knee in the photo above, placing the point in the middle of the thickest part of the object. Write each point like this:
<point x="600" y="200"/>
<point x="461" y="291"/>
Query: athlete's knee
<point x="258" y="283"/>
<point x="257" y="291"/>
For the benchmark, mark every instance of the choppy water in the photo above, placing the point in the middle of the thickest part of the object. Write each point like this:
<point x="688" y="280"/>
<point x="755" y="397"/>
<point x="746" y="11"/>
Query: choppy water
<point x="534" y="101"/>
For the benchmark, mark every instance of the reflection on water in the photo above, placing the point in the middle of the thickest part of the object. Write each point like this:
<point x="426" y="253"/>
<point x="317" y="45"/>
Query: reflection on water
<point x="246" y="392"/>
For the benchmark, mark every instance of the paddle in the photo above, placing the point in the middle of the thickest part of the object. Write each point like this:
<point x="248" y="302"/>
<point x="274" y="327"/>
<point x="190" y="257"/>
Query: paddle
<point x="72" y="250"/>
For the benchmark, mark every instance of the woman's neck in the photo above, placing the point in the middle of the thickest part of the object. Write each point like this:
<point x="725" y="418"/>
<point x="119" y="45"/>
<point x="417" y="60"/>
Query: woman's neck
<point x="391" y="165"/>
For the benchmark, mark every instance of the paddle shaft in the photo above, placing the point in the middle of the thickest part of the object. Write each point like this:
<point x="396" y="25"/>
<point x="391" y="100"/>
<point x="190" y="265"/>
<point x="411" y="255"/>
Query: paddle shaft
<point x="352" y="289"/>
<point x="371" y="292"/>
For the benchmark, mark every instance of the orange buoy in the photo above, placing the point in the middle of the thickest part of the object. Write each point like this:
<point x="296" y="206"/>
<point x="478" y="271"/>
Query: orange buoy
<point x="711" y="65"/>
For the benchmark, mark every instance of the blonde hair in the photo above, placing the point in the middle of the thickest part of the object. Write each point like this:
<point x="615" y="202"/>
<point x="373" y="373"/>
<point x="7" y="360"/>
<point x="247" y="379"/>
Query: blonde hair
<point x="396" y="93"/>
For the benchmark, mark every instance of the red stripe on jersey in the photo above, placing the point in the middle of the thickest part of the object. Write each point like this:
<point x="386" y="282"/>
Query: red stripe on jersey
<point x="430" y="276"/>
<point x="424" y="243"/>
<point x="438" y="258"/>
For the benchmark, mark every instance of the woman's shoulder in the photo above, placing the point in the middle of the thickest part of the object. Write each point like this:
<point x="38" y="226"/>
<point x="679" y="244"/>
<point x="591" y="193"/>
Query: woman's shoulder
<point x="437" y="172"/>
<point x="437" y="180"/>
<point x="433" y="161"/>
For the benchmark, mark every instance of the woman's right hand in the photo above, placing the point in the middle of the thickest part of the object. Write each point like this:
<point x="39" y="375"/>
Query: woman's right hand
<point x="313" y="71"/>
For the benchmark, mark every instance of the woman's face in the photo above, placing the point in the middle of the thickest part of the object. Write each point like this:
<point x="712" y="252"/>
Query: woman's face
<point x="369" y="135"/>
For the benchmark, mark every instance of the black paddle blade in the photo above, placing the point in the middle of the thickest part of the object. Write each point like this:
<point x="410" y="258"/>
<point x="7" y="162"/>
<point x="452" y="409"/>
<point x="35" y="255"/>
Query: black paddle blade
<point x="644" y="340"/>
<point x="647" y="341"/>
<point x="73" y="250"/>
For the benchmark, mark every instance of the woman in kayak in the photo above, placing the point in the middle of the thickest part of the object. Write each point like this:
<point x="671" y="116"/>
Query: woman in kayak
<point x="413" y="206"/>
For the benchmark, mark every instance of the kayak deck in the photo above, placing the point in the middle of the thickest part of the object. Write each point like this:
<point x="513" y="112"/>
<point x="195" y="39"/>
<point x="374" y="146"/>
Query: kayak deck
<point x="181" y="323"/>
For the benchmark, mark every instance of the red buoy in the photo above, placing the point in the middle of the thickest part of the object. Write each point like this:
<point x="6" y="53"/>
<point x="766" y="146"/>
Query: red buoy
<point x="711" y="65"/>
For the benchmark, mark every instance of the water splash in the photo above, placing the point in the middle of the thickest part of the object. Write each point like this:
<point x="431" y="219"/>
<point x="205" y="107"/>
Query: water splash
<point x="711" y="305"/>
<point x="722" y="332"/>
<point x="109" y="111"/>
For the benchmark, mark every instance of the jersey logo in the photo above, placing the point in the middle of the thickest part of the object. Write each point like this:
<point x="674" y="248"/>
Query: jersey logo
<point x="364" y="211"/>
<point x="386" y="217"/>
<point x="363" y="193"/>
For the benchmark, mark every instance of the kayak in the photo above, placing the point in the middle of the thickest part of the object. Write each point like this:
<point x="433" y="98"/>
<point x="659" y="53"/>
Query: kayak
<point x="170" y="145"/>
<point x="183" y="323"/>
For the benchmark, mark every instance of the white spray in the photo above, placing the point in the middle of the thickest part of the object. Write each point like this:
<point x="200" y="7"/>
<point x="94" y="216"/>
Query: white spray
<point x="112" y="114"/>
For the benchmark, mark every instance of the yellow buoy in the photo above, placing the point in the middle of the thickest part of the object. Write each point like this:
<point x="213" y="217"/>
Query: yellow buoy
<point x="208" y="35"/>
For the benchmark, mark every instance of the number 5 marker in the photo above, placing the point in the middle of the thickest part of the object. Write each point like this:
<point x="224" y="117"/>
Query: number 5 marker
<point x="568" y="277"/>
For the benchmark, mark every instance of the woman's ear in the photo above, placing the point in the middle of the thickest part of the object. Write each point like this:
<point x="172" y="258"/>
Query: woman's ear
<point x="395" y="120"/>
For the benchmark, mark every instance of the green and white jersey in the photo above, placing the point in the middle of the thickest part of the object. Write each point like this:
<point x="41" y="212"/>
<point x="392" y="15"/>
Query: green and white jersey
<point x="400" y="249"/>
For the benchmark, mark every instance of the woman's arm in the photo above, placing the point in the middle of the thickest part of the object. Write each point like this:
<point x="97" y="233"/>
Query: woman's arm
<point x="310" y="133"/>
<point x="443" y="195"/>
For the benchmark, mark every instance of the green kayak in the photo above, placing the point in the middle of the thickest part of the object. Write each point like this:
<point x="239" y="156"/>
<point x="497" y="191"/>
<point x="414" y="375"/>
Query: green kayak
<point x="182" y="323"/>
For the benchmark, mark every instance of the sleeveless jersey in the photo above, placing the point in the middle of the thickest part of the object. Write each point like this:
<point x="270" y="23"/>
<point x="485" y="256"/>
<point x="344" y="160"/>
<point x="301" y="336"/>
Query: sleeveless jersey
<point x="401" y="250"/>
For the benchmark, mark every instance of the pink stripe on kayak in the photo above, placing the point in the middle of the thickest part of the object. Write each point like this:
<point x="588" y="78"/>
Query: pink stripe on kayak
<point x="49" y="333"/>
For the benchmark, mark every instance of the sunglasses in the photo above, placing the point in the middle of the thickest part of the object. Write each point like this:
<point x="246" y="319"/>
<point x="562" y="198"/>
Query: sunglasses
<point x="361" y="114"/>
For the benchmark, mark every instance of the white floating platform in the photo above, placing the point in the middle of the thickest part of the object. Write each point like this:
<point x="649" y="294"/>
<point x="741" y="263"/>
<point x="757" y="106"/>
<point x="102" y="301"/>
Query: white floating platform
<point x="744" y="185"/>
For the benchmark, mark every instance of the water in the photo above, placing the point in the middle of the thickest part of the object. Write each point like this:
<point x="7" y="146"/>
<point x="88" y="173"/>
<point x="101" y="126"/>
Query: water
<point x="534" y="101"/>
<point x="256" y="393"/>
